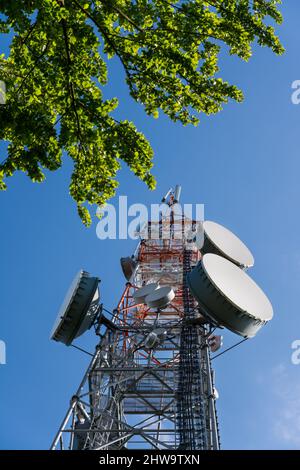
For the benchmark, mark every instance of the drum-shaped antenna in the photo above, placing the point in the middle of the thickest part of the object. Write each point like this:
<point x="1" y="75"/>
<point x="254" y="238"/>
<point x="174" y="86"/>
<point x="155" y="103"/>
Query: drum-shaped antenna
<point x="140" y="294"/>
<point x="160" y="298"/>
<point x="221" y="241"/>
<point x="128" y="266"/>
<point x="75" y="316"/>
<point x="228" y="296"/>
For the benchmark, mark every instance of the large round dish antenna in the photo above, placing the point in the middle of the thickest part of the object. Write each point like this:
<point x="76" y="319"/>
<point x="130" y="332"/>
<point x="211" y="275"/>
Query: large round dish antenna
<point x="229" y="296"/>
<point x="76" y="314"/>
<point x="221" y="241"/>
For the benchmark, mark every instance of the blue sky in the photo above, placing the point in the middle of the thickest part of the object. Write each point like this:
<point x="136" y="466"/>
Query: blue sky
<point x="244" y="165"/>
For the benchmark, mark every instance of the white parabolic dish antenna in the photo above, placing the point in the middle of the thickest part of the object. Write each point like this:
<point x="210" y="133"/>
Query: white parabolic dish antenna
<point x="140" y="294"/>
<point x="221" y="241"/>
<point x="160" y="297"/>
<point x="74" y="317"/>
<point x="229" y="296"/>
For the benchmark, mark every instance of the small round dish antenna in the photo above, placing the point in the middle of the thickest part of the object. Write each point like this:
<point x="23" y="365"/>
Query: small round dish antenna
<point x="221" y="241"/>
<point x="228" y="296"/>
<point x="160" y="298"/>
<point x="78" y="310"/>
<point x="128" y="266"/>
<point x="140" y="294"/>
<point x="155" y="338"/>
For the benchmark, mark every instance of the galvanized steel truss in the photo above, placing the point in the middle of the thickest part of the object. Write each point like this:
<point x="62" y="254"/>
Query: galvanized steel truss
<point x="133" y="396"/>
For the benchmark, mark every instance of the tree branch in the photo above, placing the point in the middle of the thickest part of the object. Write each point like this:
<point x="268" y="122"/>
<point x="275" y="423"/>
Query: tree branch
<point x="121" y="13"/>
<point x="70" y="84"/>
<point x="33" y="68"/>
<point x="106" y="37"/>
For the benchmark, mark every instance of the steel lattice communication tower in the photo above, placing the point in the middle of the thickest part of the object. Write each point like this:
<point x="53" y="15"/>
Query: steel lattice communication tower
<point x="150" y="384"/>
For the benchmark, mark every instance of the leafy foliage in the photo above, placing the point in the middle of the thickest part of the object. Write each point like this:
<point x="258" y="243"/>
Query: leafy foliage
<point x="169" y="51"/>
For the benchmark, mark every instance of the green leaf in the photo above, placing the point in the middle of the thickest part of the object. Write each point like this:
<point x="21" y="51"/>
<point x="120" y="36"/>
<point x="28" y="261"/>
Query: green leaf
<point x="57" y="68"/>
